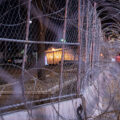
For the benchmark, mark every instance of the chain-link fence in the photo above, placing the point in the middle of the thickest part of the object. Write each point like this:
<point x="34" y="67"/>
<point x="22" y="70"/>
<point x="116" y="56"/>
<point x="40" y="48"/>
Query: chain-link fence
<point x="49" y="49"/>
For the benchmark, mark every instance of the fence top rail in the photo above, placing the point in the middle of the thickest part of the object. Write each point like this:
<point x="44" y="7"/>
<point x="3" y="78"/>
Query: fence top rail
<point x="64" y="97"/>
<point x="36" y="42"/>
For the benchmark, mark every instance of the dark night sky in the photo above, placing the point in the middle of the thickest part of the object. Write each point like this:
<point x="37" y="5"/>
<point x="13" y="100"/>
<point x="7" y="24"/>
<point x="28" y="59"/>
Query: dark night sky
<point x="13" y="17"/>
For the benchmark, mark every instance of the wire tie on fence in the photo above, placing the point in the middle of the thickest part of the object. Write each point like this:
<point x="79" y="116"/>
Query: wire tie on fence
<point x="63" y="40"/>
<point x="30" y="22"/>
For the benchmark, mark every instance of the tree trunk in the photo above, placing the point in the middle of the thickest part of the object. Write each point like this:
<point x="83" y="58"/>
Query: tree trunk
<point x="41" y="54"/>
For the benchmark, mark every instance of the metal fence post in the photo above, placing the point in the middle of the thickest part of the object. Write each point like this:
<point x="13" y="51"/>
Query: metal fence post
<point x="62" y="57"/>
<point x="26" y="46"/>
<point x="79" y="49"/>
<point x="63" y="46"/>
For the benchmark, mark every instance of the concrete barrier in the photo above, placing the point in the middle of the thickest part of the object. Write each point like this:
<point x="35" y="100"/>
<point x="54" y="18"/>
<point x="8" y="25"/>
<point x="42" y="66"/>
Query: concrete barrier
<point x="66" y="110"/>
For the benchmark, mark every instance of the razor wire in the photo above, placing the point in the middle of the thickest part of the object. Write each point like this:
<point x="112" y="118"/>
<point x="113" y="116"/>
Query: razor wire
<point x="50" y="64"/>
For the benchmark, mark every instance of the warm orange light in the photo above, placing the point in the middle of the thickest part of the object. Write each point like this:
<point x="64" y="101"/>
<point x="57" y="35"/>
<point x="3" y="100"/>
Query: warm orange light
<point x="54" y="55"/>
<point x="84" y="59"/>
<point x="57" y="56"/>
<point x="51" y="56"/>
<point x="118" y="58"/>
<point x="101" y="54"/>
<point x="9" y="61"/>
<point x="53" y="49"/>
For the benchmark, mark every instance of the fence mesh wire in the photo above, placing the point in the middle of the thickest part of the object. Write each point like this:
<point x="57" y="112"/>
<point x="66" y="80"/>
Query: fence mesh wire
<point x="51" y="49"/>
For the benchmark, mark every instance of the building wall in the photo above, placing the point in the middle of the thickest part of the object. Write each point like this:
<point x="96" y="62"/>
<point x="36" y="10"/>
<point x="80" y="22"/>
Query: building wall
<point x="54" y="55"/>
